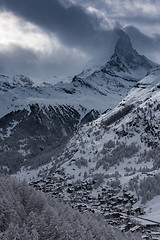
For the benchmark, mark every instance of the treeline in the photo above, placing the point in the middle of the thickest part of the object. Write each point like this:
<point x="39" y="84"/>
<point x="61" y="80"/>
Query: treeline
<point x="118" y="115"/>
<point x="149" y="188"/>
<point x="114" y="153"/>
<point x="146" y="188"/>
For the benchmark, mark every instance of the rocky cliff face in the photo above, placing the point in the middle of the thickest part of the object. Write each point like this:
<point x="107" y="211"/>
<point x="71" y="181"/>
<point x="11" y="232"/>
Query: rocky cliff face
<point x="31" y="134"/>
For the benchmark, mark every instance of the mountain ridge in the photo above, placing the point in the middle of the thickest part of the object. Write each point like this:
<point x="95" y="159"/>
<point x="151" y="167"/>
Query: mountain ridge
<point x="94" y="142"/>
<point x="50" y="106"/>
<point x="111" y="165"/>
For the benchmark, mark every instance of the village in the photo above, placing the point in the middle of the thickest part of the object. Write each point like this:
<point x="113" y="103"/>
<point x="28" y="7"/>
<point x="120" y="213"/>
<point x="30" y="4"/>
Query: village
<point x="119" y="206"/>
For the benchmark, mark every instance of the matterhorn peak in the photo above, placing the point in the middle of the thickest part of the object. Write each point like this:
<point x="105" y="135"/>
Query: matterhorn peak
<point x="127" y="55"/>
<point x="126" y="61"/>
<point x="123" y="45"/>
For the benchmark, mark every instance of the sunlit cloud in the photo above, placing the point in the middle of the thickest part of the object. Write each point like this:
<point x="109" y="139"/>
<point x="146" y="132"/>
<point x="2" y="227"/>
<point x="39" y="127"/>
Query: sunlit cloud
<point x="143" y="15"/>
<point x="14" y="30"/>
<point x="25" y="48"/>
<point x="105" y="22"/>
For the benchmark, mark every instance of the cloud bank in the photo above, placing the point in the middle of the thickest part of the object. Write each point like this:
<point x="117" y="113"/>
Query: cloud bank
<point x="43" y="38"/>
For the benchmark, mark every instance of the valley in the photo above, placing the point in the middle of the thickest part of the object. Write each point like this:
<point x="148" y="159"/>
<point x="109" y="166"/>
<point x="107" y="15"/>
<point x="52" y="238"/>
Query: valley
<point x="94" y="142"/>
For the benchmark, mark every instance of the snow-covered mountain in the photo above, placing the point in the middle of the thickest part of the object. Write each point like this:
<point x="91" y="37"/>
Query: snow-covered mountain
<point x="105" y="82"/>
<point x="38" y="120"/>
<point x="112" y="165"/>
<point x="134" y="124"/>
<point x="124" y="63"/>
<point x="94" y="141"/>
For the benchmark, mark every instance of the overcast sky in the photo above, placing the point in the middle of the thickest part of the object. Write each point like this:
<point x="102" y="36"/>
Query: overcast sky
<point x="41" y="38"/>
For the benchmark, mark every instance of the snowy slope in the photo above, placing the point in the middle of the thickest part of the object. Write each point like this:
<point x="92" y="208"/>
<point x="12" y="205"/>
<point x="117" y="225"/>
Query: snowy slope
<point x="134" y="123"/>
<point x="57" y="138"/>
<point x="135" y="120"/>
<point x="39" y="119"/>
<point x="113" y="163"/>
<point x="100" y="87"/>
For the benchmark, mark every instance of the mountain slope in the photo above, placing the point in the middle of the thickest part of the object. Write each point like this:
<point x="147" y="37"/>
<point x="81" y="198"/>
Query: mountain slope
<point x="42" y="118"/>
<point x="111" y="79"/>
<point x="134" y="122"/>
<point x="125" y="61"/>
<point x="111" y="165"/>
<point x="32" y="134"/>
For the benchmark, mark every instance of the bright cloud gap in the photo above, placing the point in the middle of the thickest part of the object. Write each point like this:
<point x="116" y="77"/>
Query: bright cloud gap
<point x="14" y="30"/>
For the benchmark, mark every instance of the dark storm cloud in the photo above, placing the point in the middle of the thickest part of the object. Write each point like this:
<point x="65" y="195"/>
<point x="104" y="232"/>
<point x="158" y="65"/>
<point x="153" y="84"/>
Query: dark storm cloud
<point x="75" y="28"/>
<point x="139" y="21"/>
<point x="150" y="46"/>
<point x="18" y="60"/>
<point x="128" y="11"/>
<point x="78" y="28"/>
<point x="73" y="25"/>
<point x="143" y="19"/>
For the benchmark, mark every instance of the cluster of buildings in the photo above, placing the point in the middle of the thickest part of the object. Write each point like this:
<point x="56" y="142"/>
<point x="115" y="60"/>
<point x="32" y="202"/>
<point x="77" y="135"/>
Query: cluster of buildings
<point x="119" y="206"/>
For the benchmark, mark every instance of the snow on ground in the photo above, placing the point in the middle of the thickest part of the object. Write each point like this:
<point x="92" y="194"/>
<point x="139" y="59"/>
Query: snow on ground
<point x="9" y="130"/>
<point x="152" y="209"/>
<point x="31" y="174"/>
<point x="22" y="96"/>
<point x="22" y="151"/>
